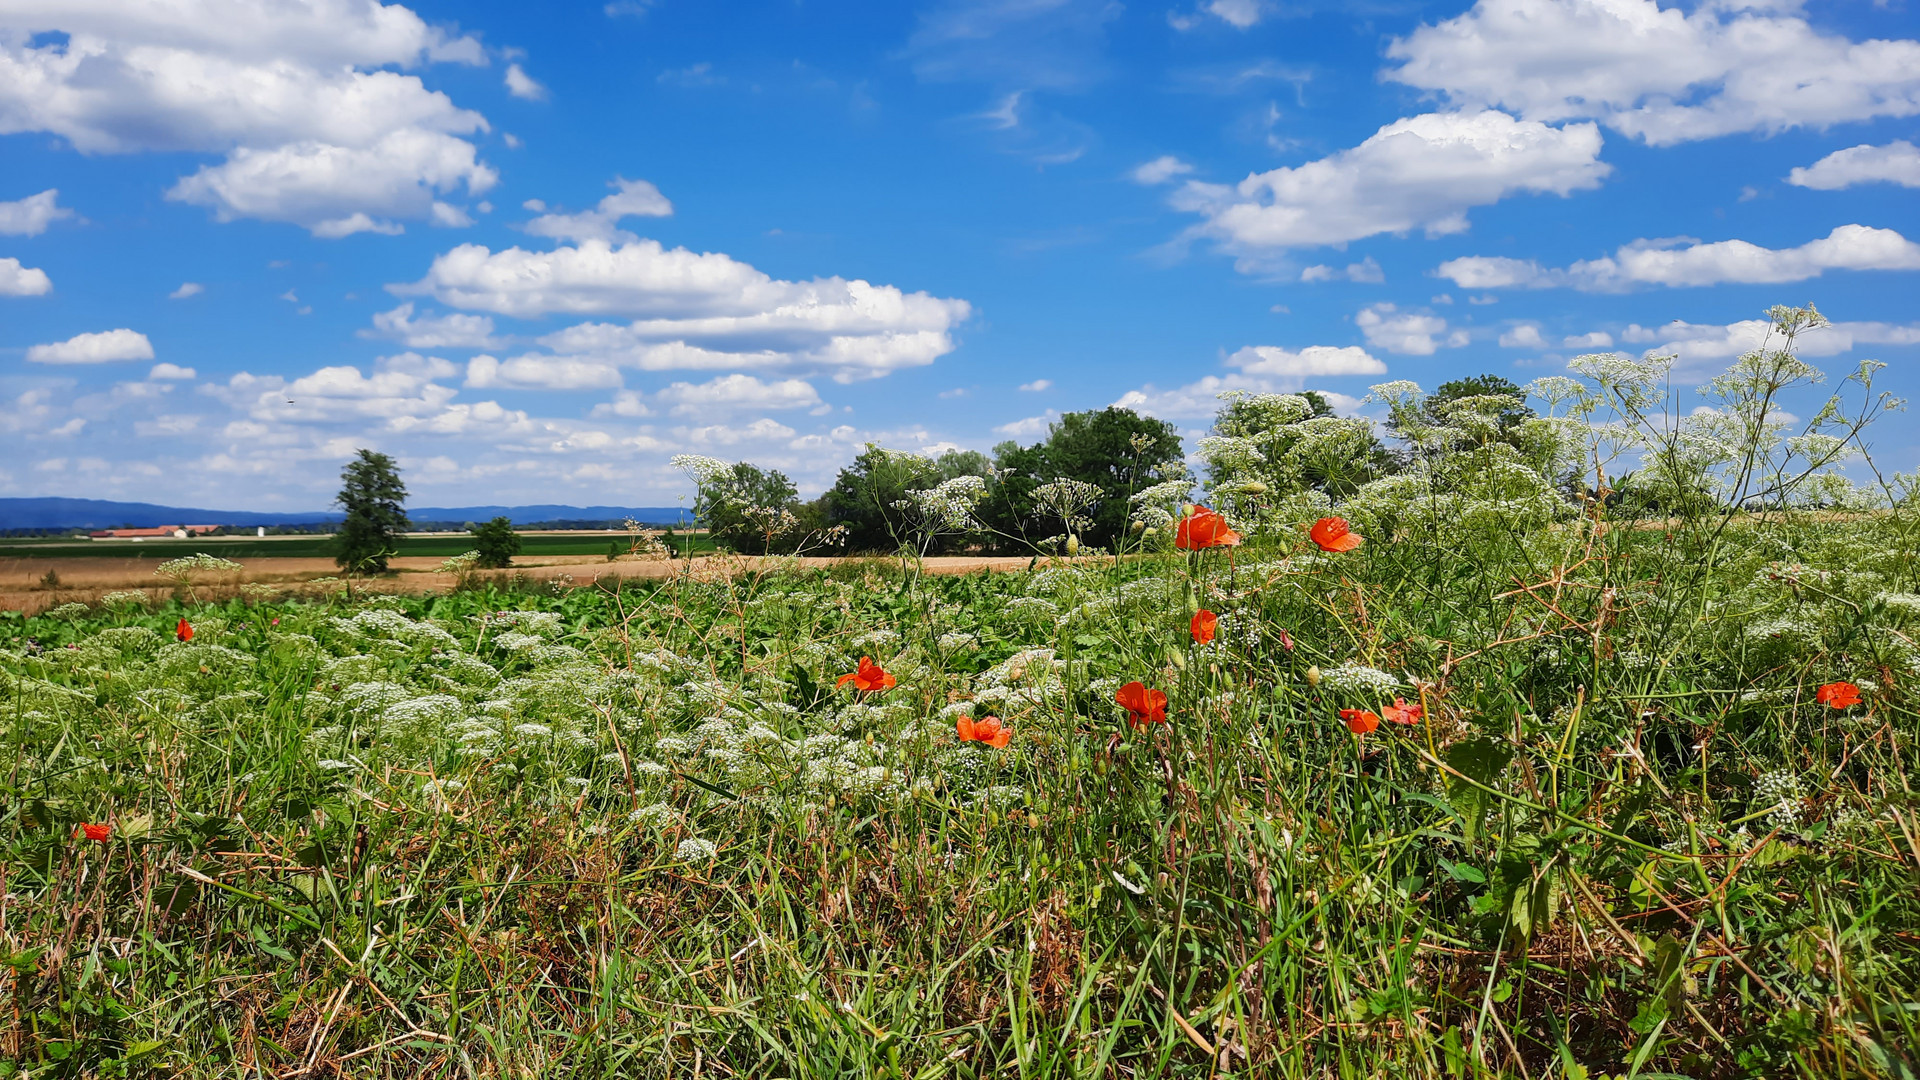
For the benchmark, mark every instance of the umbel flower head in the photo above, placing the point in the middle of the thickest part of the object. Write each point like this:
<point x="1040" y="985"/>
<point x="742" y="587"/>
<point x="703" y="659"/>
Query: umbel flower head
<point x="867" y="678"/>
<point x="1203" y="626"/>
<point x="1202" y="529"/>
<point x="1838" y="695"/>
<point x="1334" y="534"/>
<point x="1144" y="707"/>
<point x="987" y="729"/>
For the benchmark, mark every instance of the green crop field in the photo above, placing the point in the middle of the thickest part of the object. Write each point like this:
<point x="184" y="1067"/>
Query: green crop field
<point x="1507" y="781"/>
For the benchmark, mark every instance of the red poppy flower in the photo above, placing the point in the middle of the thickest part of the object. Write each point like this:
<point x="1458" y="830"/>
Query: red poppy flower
<point x="96" y="833"/>
<point x="1201" y="529"/>
<point x="1286" y="641"/>
<point x="1838" y="695"/>
<point x="1203" y="625"/>
<point x="868" y="678"/>
<point x="1402" y="713"/>
<point x="184" y="631"/>
<point x="1144" y="707"/>
<point x="1334" y="534"/>
<point x="987" y="729"/>
<point x="1359" y="721"/>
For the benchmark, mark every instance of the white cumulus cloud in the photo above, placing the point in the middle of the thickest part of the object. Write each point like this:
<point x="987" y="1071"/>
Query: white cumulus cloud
<point x="1424" y="172"/>
<point x="522" y="85"/>
<point x="1523" y="336"/>
<point x="1037" y="385"/>
<point x="433" y="331"/>
<point x="1160" y="170"/>
<point x="1685" y="262"/>
<point x="1263" y="369"/>
<point x="1410" y="333"/>
<point x="301" y="96"/>
<point x="169" y="372"/>
<point x="186" y="289"/>
<point x="104" y="347"/>
<point x="1898" y="162"/>
<point x="633" y="198"/>
<point x="1705" y="342"/>
<point x="535" y="372"/>
<point x="1665" y="75"/>
<point x="730" y="393"/>
<point x="703" y="311"/>
<point x="31" y="216"/>
<point x="1365" y="271"/>
<point x="18" y="280"/>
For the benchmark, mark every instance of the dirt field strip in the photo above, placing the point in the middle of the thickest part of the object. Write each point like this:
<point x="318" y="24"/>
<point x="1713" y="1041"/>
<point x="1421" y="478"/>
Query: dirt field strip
<point x="85" y="579"/>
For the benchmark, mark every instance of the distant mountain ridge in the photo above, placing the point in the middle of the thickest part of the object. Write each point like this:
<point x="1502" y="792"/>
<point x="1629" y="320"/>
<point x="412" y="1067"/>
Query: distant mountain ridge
<point x="62" y="513"/>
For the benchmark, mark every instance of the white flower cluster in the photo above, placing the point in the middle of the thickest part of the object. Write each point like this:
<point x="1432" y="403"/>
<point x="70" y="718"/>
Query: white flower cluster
<point x="1359" y="679"/>
<point x="1780" y="790"/>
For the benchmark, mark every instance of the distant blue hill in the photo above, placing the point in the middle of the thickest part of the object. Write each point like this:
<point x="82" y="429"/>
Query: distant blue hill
<point x="57" y="513"/>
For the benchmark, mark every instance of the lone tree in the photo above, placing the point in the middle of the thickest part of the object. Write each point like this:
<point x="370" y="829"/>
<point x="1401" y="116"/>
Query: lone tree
<point x="496" y="542"/>
<point x="373" y="496"/>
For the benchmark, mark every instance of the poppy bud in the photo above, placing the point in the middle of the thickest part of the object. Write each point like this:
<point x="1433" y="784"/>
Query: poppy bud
<point x="1073" y="544"/>
<point x="1313" y="675"/>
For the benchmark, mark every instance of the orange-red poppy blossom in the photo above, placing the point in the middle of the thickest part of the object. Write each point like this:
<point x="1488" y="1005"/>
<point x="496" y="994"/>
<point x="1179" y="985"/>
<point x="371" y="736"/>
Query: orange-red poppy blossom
<point x="1203" y="625"/>
<point x="987" y="729"/>
<point x="1144" y="707"/>
<point x="868" y="677"/>
<point x="96" y="833"/>
<point x="1838" y="695"/>
<point x="1202" y="529"/>
<point x="184" y="631"/>
<point x="1402" y="713"/>
<point x="1359" y="721"/>
<point x="1334" y="534"/>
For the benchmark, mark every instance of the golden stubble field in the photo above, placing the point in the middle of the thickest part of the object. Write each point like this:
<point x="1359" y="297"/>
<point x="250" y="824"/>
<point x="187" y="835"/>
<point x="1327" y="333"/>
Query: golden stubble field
<point x="85" y="579"/>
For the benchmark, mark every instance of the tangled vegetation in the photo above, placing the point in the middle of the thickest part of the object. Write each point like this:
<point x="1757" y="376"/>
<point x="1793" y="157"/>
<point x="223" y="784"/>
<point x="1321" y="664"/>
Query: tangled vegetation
<point x="1491" y="783"/>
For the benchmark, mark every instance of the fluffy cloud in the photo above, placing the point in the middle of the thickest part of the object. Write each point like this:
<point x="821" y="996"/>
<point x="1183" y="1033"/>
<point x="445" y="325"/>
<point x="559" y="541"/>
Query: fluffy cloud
<point x="1662" y="75"/>
<point x="1314" y="361"/>
<point x="1160" y="170"/>
<point x="1685" y="262"/>
<point x="1407" y="332"/>
<point x="522" y="85"/>
<point x="1366" y="272"/>
<point x="634" y="198"/>
<point x="31" y="216"/>
<point x="1263" y="369"/>
<point x="169" y="372"/>
<point x="697" y="311"/>
<point x="334" y="191"/>
<point x="18" y="280"/>
<point x="533" y="372"/>
<point x="187" y="289"/>
<point x="1898" y="162"/>
<point x="1597" y="339"/>
<point x="433" y="332"/>
<point x="730" y="393"/>
<point x="1701" y="342"/>
<point x="101" y="348"/>
<point x="1031" y="427"/>
<point x="1037" y="386"/>
<point x="1523" y="336"/>
<point x="1423" y="172"/>
<point x="297" y="93"/>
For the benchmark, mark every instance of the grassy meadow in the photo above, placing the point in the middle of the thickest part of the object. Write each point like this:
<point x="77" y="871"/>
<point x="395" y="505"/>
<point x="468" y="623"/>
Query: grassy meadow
<point x="1529" y="783"/>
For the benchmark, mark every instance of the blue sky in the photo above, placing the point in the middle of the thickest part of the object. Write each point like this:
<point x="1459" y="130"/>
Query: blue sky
<point x="536" y="250"/>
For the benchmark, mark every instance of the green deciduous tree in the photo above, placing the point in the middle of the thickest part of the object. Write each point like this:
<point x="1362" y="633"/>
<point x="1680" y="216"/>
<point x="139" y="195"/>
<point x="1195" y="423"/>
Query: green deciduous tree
<point x="496" y="542"/>
<point x="374" y="498"/>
